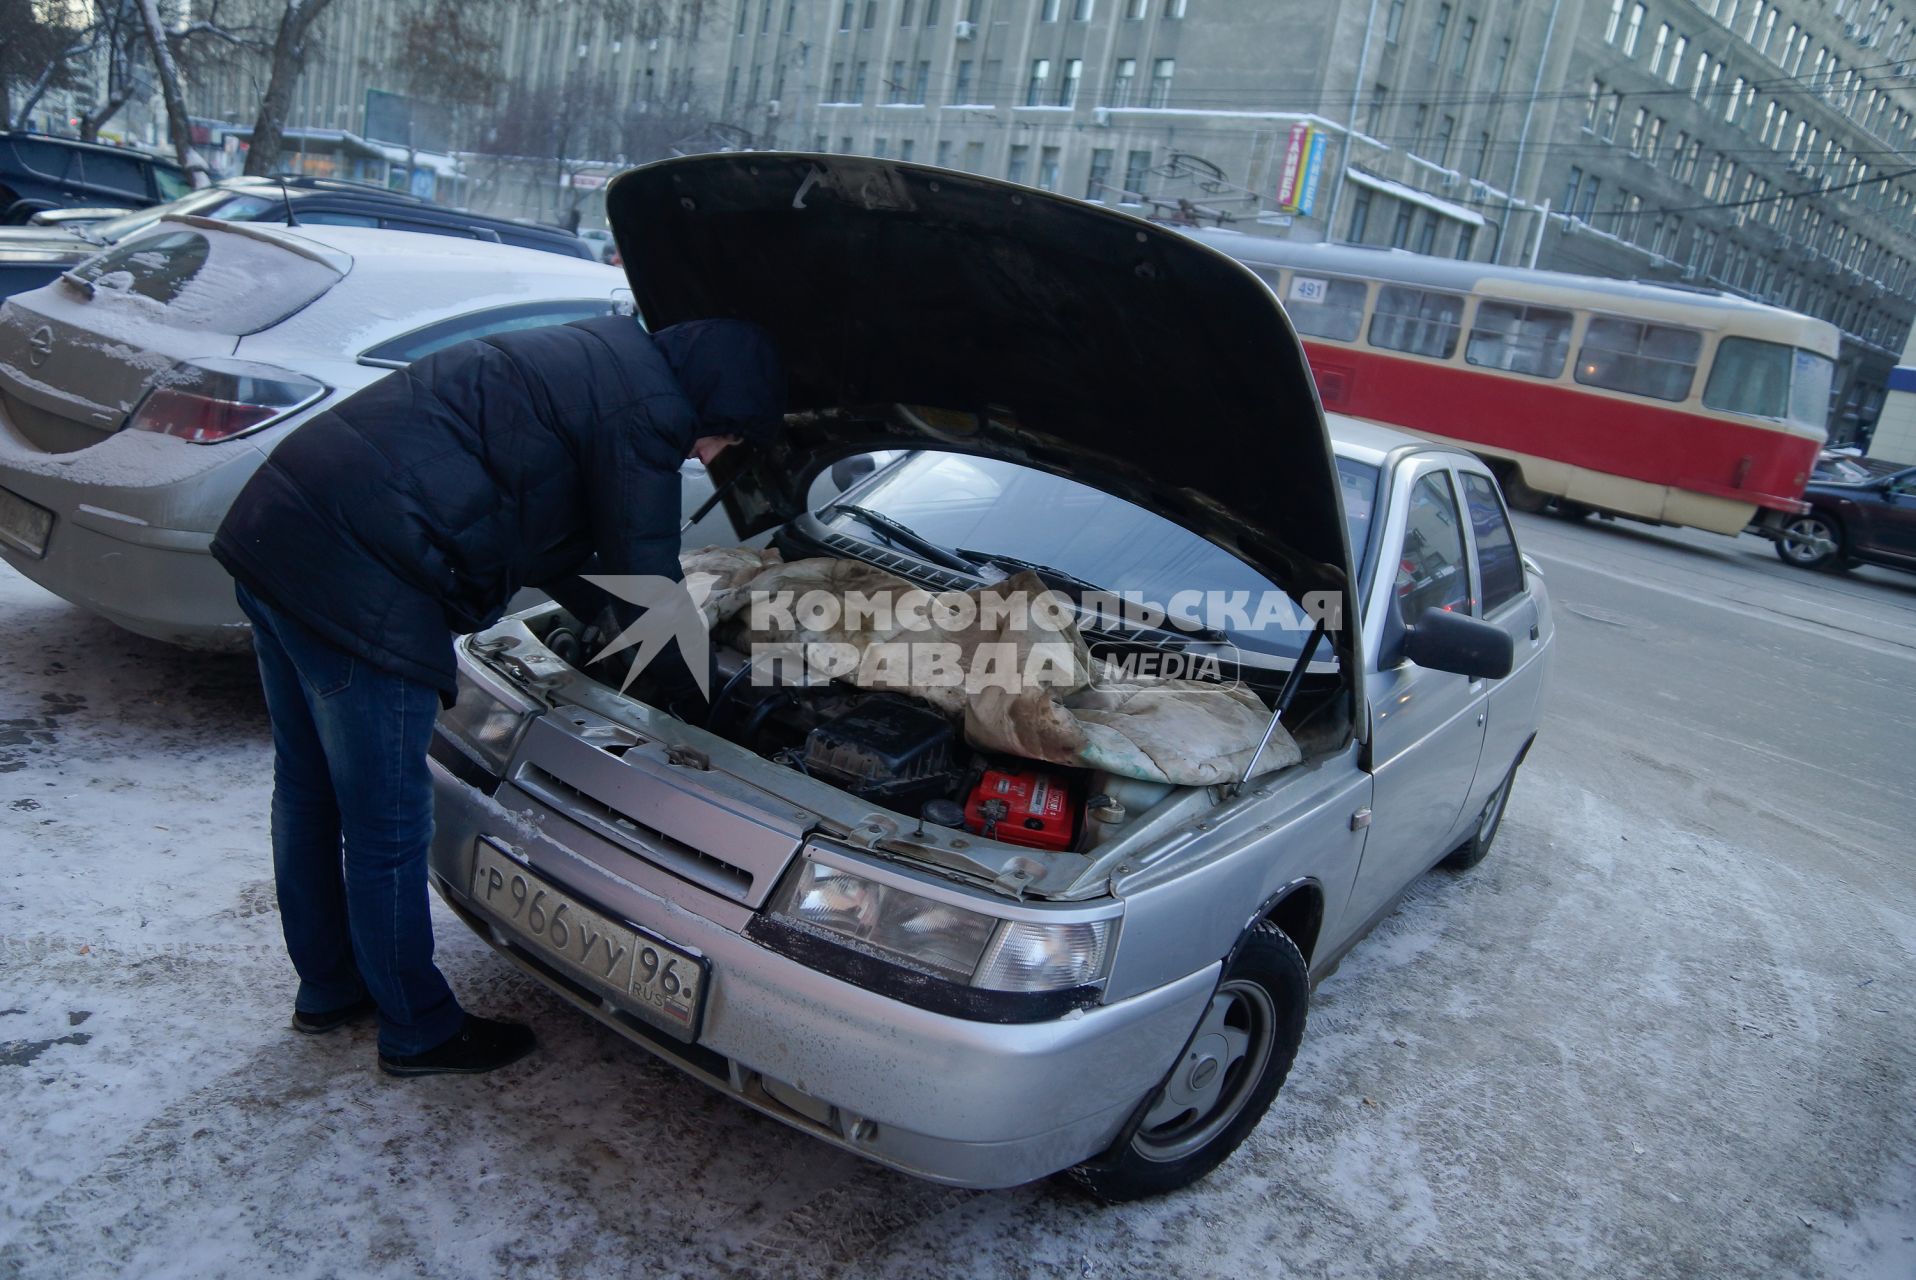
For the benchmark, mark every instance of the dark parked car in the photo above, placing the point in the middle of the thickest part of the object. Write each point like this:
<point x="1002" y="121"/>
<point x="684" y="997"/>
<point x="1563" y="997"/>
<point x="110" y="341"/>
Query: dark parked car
<point x="1870" y="519"/>
<point x="33" y="256"/>
<point x="40" y="172"/>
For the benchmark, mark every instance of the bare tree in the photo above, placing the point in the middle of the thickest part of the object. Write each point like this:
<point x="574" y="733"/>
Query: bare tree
<point x="117" y="27"/>
<point x="168" y="71"/>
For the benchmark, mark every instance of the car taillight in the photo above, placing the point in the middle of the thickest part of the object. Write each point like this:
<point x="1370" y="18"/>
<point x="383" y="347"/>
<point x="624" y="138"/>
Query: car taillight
<point x="216" y="399"/>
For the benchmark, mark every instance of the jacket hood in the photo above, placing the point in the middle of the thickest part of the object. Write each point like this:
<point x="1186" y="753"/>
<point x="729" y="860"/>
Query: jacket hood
<point x="916" y="307"/>
<point x="729" y="370"/>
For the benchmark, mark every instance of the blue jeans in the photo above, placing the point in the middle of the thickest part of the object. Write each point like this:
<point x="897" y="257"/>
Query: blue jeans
<point x="352" y="822"/>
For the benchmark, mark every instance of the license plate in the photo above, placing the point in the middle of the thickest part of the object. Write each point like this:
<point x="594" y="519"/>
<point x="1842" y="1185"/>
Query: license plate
<point x="666" y="984"/>
<point x="24" y="525"/>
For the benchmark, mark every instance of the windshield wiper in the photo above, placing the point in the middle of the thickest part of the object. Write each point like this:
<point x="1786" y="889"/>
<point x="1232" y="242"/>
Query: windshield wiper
<point x="1072" y="583"/>
<point x="901" y="536"/>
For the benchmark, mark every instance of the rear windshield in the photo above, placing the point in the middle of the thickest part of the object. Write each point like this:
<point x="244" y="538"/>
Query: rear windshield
<point x="184" y="278"/>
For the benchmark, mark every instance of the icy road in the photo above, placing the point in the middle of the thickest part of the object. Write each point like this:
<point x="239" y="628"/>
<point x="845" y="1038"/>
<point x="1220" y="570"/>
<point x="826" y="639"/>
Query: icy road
<point x="1665" y="1030"/>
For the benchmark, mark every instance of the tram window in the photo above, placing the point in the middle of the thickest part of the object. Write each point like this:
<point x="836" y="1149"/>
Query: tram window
<point x="1645" y="359"/>
<point x="1810" y="390"/>
<point x="1750" y="377"/>
<point x="1497" y="561"/>
<point x="1532" y="340"/>
<point x="1325" y="308"/>
<point x="1419" y="321"/>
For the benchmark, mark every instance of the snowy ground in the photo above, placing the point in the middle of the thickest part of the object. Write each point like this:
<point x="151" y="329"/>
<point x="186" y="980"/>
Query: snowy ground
<point x="1663" y="1031"/>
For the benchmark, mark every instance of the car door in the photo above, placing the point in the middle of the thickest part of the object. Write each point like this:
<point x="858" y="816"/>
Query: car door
<point x="1427" y="727"/>
<point x="1893" y="519"/>
<point x="1504" y="598"/>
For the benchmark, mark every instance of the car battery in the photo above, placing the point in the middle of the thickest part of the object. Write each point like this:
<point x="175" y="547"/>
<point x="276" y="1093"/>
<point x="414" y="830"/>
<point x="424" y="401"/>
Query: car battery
<point x="1026" y="807"/>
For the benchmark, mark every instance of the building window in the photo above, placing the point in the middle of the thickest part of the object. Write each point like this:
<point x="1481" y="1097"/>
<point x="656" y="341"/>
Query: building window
<point x="845" y="16"/>
<point x="1418" y="120"/>
<point x="1483" y="156"/>
<point x="1048" y="168"/>
<point x="1438" y="28"/>
<point x="1137" y="167"/>
<point x="1658" y="48"/>
<point x="837" y="93"/>
<point x="1466" y="241"/>
<point x="871" y="14"/>
<point x="943" y="159"/>
<point x="1400" y="233"/>
<point x="1100" y="175"/>
<point x="1653" y="139"/>
<point x="1081" y="10"/>
<point x="961" y="83"/>
<point x="1034" y="88"/>
<point x="974" y="157"/>
<point x="1134" y="10"/>
<point x="1068" y="86"/>
<point x="858" y="82"/>
<point x="1360" y="215"/>
<point x="1591" y="187"/>
<point x="1500" y="65"/>
<point x="1466" y="35"/>
<point x="1676" y="60"/>
<point x="1161" y="82"/>
<point x="1611" y="27"/>
<point x="895" y="87"/>
<point x="1123" y="75"/>
<point x="1048" y="11"/>
<point x="1394" y="21"/>
<point x="1019" y="161"/>
<point x="904" y="13"/>
<point x="1570" y="188"/>
<point x="1427" y="234"/>
<point x="905" y="149"/>
<point x="1374" y="118"/>
<point x="1637" y="129"/>
<point x="1440" y="147"/>
<point x="1174" y="8"/>
<point x="845" y="145"/>
<point x="1634" y="30"/>
<point x="881" y="147"/>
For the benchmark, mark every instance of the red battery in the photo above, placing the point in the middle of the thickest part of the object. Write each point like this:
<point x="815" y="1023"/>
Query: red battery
<point x="1023" y="807"/>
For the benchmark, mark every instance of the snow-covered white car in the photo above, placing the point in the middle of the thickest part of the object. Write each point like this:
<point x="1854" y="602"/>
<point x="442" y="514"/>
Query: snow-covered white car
<point x="139" y="391"/>
<point x="983" y="933"/>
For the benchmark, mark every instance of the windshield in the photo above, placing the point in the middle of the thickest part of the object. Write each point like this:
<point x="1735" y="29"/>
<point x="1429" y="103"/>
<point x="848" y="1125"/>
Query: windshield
<point x="988" y="507"/>
<point x="214" y="202"/>
<point x="1810" y="385"/>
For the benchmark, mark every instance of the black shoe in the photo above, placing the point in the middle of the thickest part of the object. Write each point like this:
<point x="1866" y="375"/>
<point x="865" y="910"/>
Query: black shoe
<point x="479" y="1045"/>
<point x="313" y="1024"/>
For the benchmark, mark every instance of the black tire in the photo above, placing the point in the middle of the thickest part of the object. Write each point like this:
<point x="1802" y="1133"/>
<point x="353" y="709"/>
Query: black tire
<point x="1224" y="1080"/>
<point x="1810" y="542"/>
<point x="1484" y="834"/>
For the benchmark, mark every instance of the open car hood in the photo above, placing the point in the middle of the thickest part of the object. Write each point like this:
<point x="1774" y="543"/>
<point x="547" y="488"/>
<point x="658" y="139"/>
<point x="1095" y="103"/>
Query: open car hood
<point x="916" y="307"/>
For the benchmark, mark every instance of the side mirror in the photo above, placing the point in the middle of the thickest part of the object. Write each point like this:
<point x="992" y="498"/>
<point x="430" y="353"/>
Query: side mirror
<point x="848" y="471"/>
<point x="1457" y="642"/>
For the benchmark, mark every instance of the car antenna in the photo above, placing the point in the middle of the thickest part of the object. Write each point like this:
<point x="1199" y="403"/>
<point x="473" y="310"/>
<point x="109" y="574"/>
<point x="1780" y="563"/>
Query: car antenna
<point x="286" y="199"/>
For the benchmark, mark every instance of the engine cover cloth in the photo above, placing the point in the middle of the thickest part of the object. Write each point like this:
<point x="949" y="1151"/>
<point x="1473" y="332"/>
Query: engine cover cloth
<point x="1053" y="706"/>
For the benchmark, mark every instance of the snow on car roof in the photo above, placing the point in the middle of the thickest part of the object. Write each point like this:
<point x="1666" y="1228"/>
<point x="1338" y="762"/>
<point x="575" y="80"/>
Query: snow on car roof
<point x="385" y="244"/>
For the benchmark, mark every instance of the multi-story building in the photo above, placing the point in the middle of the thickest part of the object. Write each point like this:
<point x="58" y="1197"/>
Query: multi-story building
<point x="1760" y="148"/>
<point x="1764" y="148"/>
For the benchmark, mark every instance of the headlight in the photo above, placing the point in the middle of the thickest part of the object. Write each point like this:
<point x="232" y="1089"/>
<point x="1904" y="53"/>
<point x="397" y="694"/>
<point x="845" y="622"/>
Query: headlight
<point x="968" y="947"/>
<point x="484" y="723"/>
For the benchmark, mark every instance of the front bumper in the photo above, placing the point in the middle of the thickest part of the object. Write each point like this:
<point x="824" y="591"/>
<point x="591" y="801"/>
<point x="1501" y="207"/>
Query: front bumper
<point x="968" y="1103"/>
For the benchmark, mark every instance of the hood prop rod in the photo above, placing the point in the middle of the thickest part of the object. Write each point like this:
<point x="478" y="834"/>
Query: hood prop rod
<point x="718" y="495"/>
<point x="1291" y="683"/>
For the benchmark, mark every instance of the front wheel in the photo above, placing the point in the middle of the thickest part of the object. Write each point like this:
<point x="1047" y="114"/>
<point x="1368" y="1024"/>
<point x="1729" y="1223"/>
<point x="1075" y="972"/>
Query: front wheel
<point x="1809" y="542"/>
<point x="1224" y="1081"/>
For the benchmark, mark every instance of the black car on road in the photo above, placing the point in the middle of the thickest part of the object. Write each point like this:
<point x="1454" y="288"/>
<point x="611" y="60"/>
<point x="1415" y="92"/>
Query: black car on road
<point x="39" y="172"/>
<point x="1866" y="517"/>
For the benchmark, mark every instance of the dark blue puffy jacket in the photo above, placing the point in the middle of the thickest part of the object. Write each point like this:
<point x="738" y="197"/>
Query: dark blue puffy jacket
<point x="415" y="508"/>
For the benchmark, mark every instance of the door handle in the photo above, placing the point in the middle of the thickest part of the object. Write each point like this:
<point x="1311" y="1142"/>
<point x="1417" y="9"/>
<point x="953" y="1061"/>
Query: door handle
<point x="1480" y="717"/>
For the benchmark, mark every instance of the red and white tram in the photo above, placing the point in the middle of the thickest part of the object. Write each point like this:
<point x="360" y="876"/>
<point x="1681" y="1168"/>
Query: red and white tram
<point x="1662" y="404"/>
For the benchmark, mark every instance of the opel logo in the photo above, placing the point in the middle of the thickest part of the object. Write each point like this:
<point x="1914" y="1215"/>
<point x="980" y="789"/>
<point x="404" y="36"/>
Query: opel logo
<point x="41" y="343"/>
